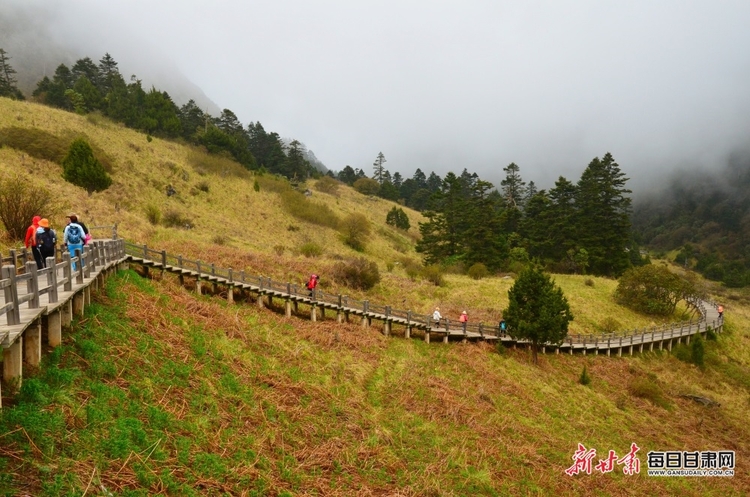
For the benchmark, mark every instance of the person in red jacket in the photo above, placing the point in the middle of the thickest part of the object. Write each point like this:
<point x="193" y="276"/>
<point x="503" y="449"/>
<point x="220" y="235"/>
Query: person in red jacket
<point x="463" y="320"/>
<point x="30" y="241"/>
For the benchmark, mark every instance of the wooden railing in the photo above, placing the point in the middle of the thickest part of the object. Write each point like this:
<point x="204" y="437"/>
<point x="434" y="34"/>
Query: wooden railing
<point x="263" y="284"/>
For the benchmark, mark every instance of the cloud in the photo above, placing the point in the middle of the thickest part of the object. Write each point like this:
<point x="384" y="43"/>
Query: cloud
<point x="447" y="85"/>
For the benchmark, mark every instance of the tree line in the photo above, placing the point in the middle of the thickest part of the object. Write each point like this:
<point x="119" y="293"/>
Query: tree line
<point x="581" y="227"/>
<point x="90" y="87"/>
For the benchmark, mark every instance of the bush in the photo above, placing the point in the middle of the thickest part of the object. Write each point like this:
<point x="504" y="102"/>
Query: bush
<point x="279" y="249"/>
<point x="647" y="388"/>
<point x="219" y="240"/>
<point x="20" y="201"/>
<point x="610" y="325"/>
<point x="652" y="290"/>
<point x="311" y="249"/>
<point x="367" y="186"/>
<point x="697" y="351"/>
<point x="173" y="219"/>
<point x="153" y="214"/>
<point x="584" y="379"/>
<point x="326" y="184"/>
<point x="478" y="271"/>
<point x="588" y="282"/>
<point x="356" y="229"/>
<point x="398" y="218"/>
<point x="433" y="274"/>
<point x="312" y="212"/>
<point x="219" y="165"/>
<point x="710" y="334"/>
<point x="413" y="269"/>
<point x="203" y="186"/>
<point x="81" y="168"/>
<point x="357" y="273"/>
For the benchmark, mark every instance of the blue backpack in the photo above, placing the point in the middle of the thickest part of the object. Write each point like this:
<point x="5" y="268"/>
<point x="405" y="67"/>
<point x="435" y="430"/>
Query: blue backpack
<point x="75" y="235"/>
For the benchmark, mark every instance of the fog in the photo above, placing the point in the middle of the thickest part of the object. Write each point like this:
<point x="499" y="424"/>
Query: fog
<point x="445" y="86"/>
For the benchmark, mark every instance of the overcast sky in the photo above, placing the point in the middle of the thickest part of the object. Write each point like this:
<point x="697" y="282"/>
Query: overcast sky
<point x="442" y="86"/>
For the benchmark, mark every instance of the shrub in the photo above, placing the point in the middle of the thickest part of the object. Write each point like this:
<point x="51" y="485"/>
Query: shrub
<point x="219" y="240"/>
<point x="588" y="282"/>
<point x="647" y="388"/>
<point x="311" y="249"/>
<point x="357" y="273"/>
<point x="367" y="186"/>
<point x="203" y="186"/>
<point x="312" y="212"/>
<point x="652" y="290"/>
<point x="610" y="325"/>
<point x="389" y="266"/>
<point x="710" y="334"/>
<point x="219" y="165"/>
<point x="478" y="271"/>
<point x="256" y="186"/>
<point x="153" y="214"/>
<point x="173" y="219"/>
<point x="413" y="269"/>
<point x="584" y="379"/>
<point x="355" y="229"/>
<point x="81" y="168"/>
<point x="433" y="274"/>
<point x="398" y="218"/>
<point x="292" y="228"/>
<point x="279" y="249"/>
<point x="20" y="201"/>
<point x="697" y="351"/>
<point x="326" y="184"/>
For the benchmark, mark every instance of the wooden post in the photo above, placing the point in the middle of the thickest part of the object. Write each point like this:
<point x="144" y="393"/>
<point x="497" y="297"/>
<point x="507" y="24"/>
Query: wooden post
<point x="408" y="331"/>
<point x="288" y="308"/>
<point x="54" y="329"/>
<point x="78" y="303"/>
<point x="67" y="313"/>
<point x="32" y="341"/>
<point x="13" y="361"/>
<point x="427" y="336"/>
<point x="179" y="265"/>
<point x="13" y="316"/>
<point x="198" y="285"/>
<point x="313" y="313"/>
<point x="33" y="286"/>
<point x="260" y="300"/>
<point x="230" y="294"/>
<point x="52" y="280"/>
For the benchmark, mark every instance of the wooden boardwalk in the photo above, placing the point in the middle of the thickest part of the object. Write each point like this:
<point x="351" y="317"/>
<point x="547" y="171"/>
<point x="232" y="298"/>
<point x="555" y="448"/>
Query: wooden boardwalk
<point x="265" y="290"/>
<point x="37" y="302"/>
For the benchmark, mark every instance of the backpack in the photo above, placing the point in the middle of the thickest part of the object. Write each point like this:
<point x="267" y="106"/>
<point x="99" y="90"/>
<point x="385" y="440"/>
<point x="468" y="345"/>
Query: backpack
<point x="45" y="239"/>
<point x="74" y="235"/>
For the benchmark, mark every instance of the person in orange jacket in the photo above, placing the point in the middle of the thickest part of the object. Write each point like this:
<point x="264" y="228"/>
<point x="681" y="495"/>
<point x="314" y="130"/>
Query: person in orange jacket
<point x="463" y="319"/>
<point x="30" y="241"/>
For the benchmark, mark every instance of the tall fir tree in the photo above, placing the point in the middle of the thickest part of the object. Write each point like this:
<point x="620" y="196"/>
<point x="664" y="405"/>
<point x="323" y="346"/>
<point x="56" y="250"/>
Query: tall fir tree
<point x="603" y="216"/>
<point x="8" y="80"/>
<point x="378" y="168"/>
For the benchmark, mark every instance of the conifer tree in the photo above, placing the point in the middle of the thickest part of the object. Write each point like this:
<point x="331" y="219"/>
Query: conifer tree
<point x="603" y="216"/>
<point x="8" y="81"/>
<point x="378" y="168"/>
<point x="537" y="310"/>
<point x="81" y="168"/>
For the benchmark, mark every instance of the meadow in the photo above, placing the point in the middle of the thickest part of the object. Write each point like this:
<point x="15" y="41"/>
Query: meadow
<point x="159" y="391"/>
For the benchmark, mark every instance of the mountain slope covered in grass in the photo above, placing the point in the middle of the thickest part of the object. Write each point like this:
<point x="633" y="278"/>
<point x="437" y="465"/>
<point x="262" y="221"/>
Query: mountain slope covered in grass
<point x="159" y="391"/>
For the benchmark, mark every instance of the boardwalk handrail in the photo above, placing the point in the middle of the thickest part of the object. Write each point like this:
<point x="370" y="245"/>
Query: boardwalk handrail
<point x="160" y="259"/>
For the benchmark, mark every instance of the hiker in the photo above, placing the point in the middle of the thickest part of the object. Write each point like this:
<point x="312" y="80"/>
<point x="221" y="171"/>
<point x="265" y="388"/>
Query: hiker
<point x="463" y="319"/>
<point x="87" y="236"/>
<point x="436" y="317"/>
<point x="73" y="237"/>
<point x="503" y="326"/>
<point x="30" y="241"/>
<point x="312" y="283"/>
<point x="46" y="240"/>
<point x="721" y="311"/>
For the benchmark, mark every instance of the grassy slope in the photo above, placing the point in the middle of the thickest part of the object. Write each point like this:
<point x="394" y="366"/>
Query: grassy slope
<point x="361" y="414"/>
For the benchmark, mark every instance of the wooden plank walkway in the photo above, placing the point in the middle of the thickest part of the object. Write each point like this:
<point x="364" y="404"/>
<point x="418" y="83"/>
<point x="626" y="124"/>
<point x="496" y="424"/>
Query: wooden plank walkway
<point x="266" y="289"/>
<point x="35" y="301"/>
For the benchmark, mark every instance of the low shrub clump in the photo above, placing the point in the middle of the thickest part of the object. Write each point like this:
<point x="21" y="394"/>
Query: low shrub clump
<point x="153" y="214"/>
<point x="311" y="249"/>
<point x="647" y="388"/>
<point x="300" y="207"/>
<point x="174" y="219"/>
<point x="326" y="184"/>
<point x="433" y="274"/>
<point x="20" y="200"/>
<point x="478" y="271"/>
<point x="357" y="273"/>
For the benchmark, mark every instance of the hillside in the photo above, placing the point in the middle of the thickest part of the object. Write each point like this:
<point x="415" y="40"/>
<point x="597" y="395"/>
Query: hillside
<point x="158" y="391"/>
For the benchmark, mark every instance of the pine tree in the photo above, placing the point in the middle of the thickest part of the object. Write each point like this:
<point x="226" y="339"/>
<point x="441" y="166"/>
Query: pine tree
<point x="8" y="81"/>
<point x="81" y="168"/>
<point x="603" y="216"/>
<point x="537" y="310"/>
<point x="513" y="186"/>
<point x="378" y="168"/>
<point x="109" y="75"/>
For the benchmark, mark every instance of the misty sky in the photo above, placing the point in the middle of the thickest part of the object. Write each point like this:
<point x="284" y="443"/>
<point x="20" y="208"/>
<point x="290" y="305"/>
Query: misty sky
<point x="450" y="85"/>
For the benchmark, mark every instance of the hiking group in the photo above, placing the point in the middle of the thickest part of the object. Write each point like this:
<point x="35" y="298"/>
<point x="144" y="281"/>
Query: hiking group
<point x="42" y="239"/>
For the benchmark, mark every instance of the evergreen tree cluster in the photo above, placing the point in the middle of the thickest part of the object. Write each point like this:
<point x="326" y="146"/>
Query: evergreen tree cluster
<point x="572" y="228"/>
<point x="88" y="87"/>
